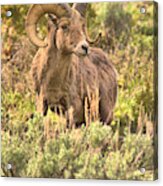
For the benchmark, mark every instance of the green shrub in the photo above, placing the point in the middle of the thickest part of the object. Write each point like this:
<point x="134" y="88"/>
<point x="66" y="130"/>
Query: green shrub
<point x="41" y="147"/>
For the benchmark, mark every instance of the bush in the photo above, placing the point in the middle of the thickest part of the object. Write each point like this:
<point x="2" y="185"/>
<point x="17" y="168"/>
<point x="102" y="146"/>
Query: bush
<point x="44" y="148"/>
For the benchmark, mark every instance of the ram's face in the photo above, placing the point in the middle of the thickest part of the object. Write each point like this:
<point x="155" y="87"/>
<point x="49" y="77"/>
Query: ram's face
<point x="70" y="35"/>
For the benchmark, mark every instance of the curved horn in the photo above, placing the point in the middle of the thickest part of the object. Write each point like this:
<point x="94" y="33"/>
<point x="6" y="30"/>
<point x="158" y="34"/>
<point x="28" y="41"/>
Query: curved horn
<point x="81" y="8"/>
<point x="34" y="14"/>
<point x="94" y="41"/>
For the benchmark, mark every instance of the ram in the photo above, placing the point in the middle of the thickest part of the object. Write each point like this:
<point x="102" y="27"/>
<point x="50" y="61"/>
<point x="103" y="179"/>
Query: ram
<point x="66" y="69"/>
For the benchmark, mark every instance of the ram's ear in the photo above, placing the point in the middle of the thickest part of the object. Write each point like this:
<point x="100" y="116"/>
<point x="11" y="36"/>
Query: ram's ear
<point x="52" y="27"/>
<point x="52" y="18"/>
<point x="52" y="21"/>
<point x="81" y="8"/>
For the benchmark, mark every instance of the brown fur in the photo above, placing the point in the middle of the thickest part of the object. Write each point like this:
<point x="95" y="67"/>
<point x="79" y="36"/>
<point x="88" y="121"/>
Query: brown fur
<point x="62" y="75"/>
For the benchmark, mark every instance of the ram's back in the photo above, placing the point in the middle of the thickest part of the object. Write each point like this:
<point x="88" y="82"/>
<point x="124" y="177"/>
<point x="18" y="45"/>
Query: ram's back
<point x="107" y="74"/>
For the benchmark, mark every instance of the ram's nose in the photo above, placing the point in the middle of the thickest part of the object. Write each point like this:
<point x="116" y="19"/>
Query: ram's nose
<point x="82" y="49"/>
<point x="85" y="47"/>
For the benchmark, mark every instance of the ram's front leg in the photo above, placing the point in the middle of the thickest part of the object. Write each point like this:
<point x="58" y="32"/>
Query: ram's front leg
<point x="41" y="104"/>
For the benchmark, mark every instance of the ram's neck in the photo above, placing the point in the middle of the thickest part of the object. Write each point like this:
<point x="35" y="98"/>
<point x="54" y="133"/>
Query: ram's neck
<point x="63" y="62"/>
<point x="61" y="70"/>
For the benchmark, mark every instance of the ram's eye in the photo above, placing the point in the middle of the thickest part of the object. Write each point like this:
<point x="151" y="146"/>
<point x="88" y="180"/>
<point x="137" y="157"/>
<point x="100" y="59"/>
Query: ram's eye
<point x="64" y="27"/>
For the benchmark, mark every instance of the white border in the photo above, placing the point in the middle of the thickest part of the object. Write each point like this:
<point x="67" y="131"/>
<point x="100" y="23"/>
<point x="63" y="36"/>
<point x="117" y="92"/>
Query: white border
<point x="63" y="1"/>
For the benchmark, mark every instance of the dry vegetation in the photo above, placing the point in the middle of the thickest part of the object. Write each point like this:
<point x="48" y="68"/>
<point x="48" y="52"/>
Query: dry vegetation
<point x="39" y="146"/>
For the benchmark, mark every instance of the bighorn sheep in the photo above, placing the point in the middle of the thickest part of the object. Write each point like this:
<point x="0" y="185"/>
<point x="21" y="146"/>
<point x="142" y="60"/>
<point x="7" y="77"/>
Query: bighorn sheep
<point x="65" y="66"/>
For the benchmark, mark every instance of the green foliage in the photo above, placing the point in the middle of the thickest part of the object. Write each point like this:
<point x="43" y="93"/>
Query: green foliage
<point x="88" y="152"/>
<point x="39" y="146"/>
